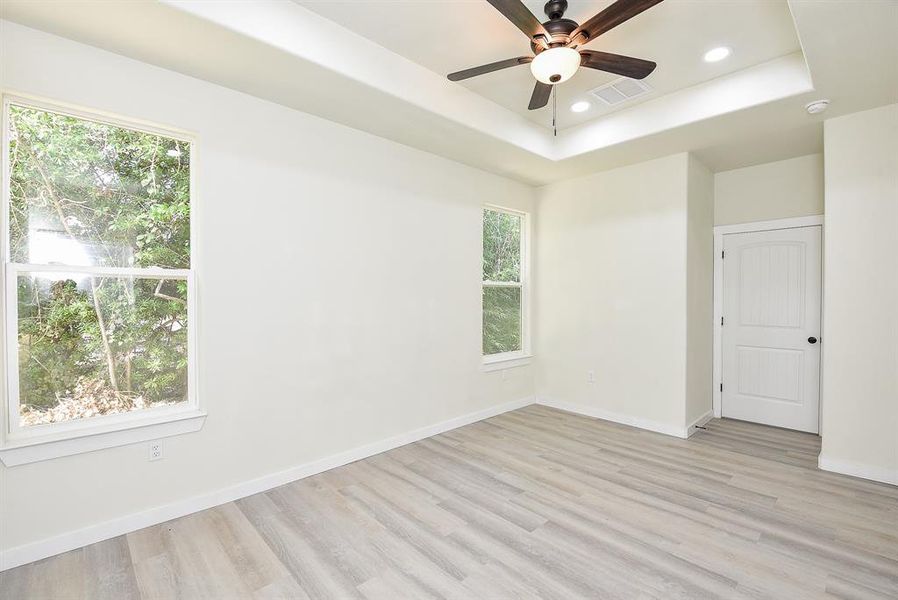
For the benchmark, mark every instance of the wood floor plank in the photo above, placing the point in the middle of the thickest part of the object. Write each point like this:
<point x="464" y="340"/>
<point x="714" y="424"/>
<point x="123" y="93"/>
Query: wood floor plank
<point x="535" y="504"/>
<point x="109" y="572"/>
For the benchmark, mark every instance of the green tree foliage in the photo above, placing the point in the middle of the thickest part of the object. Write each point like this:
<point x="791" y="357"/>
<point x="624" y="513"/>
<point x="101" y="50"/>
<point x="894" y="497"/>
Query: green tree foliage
<point x="501" y="246"/>
<point x="84" y="193"/>
<point x="501" y="263"/>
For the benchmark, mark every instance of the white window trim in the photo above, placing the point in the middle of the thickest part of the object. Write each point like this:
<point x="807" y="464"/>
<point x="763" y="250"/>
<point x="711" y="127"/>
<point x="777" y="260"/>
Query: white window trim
<point x="505" y="360"/>
<point x="41" y="442"/>
<point x="522" y="357"/>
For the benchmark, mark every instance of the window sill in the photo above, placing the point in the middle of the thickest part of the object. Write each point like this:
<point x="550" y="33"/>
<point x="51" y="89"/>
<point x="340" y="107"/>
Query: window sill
<point x="500" y="362"/>
<point x="20" y="452"/>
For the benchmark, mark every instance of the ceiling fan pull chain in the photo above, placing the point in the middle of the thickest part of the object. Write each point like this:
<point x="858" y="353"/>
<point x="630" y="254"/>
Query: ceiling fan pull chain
<point x="555" y="110"/>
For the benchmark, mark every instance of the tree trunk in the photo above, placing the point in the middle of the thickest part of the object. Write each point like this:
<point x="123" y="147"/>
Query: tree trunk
<point x="107" y="350"/>
<point x="128" y="372"/>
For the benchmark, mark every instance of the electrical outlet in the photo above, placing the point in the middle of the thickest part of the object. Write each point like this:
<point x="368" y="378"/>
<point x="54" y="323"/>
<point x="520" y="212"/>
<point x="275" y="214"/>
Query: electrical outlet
<point x="155" y="450"/>
<point x="590" y="376"/>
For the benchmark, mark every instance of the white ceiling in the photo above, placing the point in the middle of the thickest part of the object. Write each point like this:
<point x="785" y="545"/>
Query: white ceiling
<point x="283" y="52"/>
<point x="450" y="35"/>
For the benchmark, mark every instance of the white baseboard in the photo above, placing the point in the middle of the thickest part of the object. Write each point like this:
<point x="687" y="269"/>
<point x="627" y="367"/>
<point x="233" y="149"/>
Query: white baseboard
<point x="864" y="471"/>
<point x="27" y="553"/>
<point x="598" y="413"/>
<point x="699" y="422"/>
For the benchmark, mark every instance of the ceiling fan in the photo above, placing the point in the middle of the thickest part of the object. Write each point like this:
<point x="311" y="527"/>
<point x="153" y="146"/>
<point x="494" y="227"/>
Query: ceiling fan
<point x="555" y="45"/>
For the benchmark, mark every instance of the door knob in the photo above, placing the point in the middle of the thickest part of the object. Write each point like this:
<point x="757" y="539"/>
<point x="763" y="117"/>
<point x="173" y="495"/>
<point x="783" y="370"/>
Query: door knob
<point x="812" y="340"/>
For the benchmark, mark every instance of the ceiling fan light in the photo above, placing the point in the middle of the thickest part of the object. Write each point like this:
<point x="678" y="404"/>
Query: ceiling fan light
<point x="555" y="65"/>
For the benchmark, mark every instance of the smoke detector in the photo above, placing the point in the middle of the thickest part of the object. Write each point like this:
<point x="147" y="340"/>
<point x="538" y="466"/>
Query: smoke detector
<point x="816" y="107"/>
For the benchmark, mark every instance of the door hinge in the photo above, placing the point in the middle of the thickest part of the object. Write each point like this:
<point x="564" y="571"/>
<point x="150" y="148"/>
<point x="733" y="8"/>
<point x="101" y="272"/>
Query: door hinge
<point x="721" y="321"/>
<point x="723" y="253"/>
<point x="721" y="387"/>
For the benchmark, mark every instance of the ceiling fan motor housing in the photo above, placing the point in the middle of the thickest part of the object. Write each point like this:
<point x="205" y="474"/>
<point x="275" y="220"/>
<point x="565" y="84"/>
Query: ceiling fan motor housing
<point x="559" y="28"/>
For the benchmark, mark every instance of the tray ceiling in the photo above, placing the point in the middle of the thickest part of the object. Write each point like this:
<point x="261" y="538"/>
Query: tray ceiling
<point x="449" y="35"/>
<point x="745" y="110"/>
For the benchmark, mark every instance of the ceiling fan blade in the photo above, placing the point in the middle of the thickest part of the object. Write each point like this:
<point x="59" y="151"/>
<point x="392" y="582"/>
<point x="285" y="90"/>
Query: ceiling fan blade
<point x="520" y="15"/>
<point x="540" y="96"/>
<point x="495" y="66"/>
<point x="634" y="68"/>
<point x="611" y="17"/>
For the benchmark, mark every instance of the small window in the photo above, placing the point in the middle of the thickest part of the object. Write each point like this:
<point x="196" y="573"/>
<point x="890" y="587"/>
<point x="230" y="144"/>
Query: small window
<point x="98" y="272"/>
<point x="505" y="285"/>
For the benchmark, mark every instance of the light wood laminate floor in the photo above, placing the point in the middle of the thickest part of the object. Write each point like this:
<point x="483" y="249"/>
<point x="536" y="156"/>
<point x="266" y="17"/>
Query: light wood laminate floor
<point x="536" y="503"/>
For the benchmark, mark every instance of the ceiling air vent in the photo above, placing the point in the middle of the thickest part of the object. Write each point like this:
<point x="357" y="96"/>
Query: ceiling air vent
<point x="620" y="91"/>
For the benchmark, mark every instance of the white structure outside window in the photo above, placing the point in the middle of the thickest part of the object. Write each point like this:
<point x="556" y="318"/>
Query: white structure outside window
<point x="99" y="303"/>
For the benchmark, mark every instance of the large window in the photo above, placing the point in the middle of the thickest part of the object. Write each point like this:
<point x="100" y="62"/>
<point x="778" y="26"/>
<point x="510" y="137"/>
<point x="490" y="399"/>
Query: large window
<point x="505" y="285"/>
<point x="97" y="266"/>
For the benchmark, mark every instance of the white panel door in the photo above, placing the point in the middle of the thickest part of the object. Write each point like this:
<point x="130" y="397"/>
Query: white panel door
<point x="771" y="327"/>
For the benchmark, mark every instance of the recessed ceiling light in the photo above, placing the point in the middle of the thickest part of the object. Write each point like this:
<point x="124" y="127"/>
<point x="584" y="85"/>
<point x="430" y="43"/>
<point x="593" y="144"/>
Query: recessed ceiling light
<point x="717" y="54"/>
<point x="581" y="106"/>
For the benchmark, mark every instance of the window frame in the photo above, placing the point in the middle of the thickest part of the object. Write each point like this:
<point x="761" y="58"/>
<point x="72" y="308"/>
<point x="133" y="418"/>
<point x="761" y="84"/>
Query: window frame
<point x="20" y="445"/>
<point x="503" y="360"/>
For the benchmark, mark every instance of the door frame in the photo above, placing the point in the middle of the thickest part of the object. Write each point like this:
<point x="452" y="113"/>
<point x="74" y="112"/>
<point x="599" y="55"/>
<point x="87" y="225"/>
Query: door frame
<point x="757" y="226"/>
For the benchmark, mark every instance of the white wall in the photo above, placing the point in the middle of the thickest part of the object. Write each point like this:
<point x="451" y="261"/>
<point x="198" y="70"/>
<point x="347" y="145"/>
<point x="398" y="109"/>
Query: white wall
<point x="777" y="190"/>
<point x="699" y="290"/>
<point x="359" y="259"/>
<point x="612" y="296"/>
<point x="860" y="319"/>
